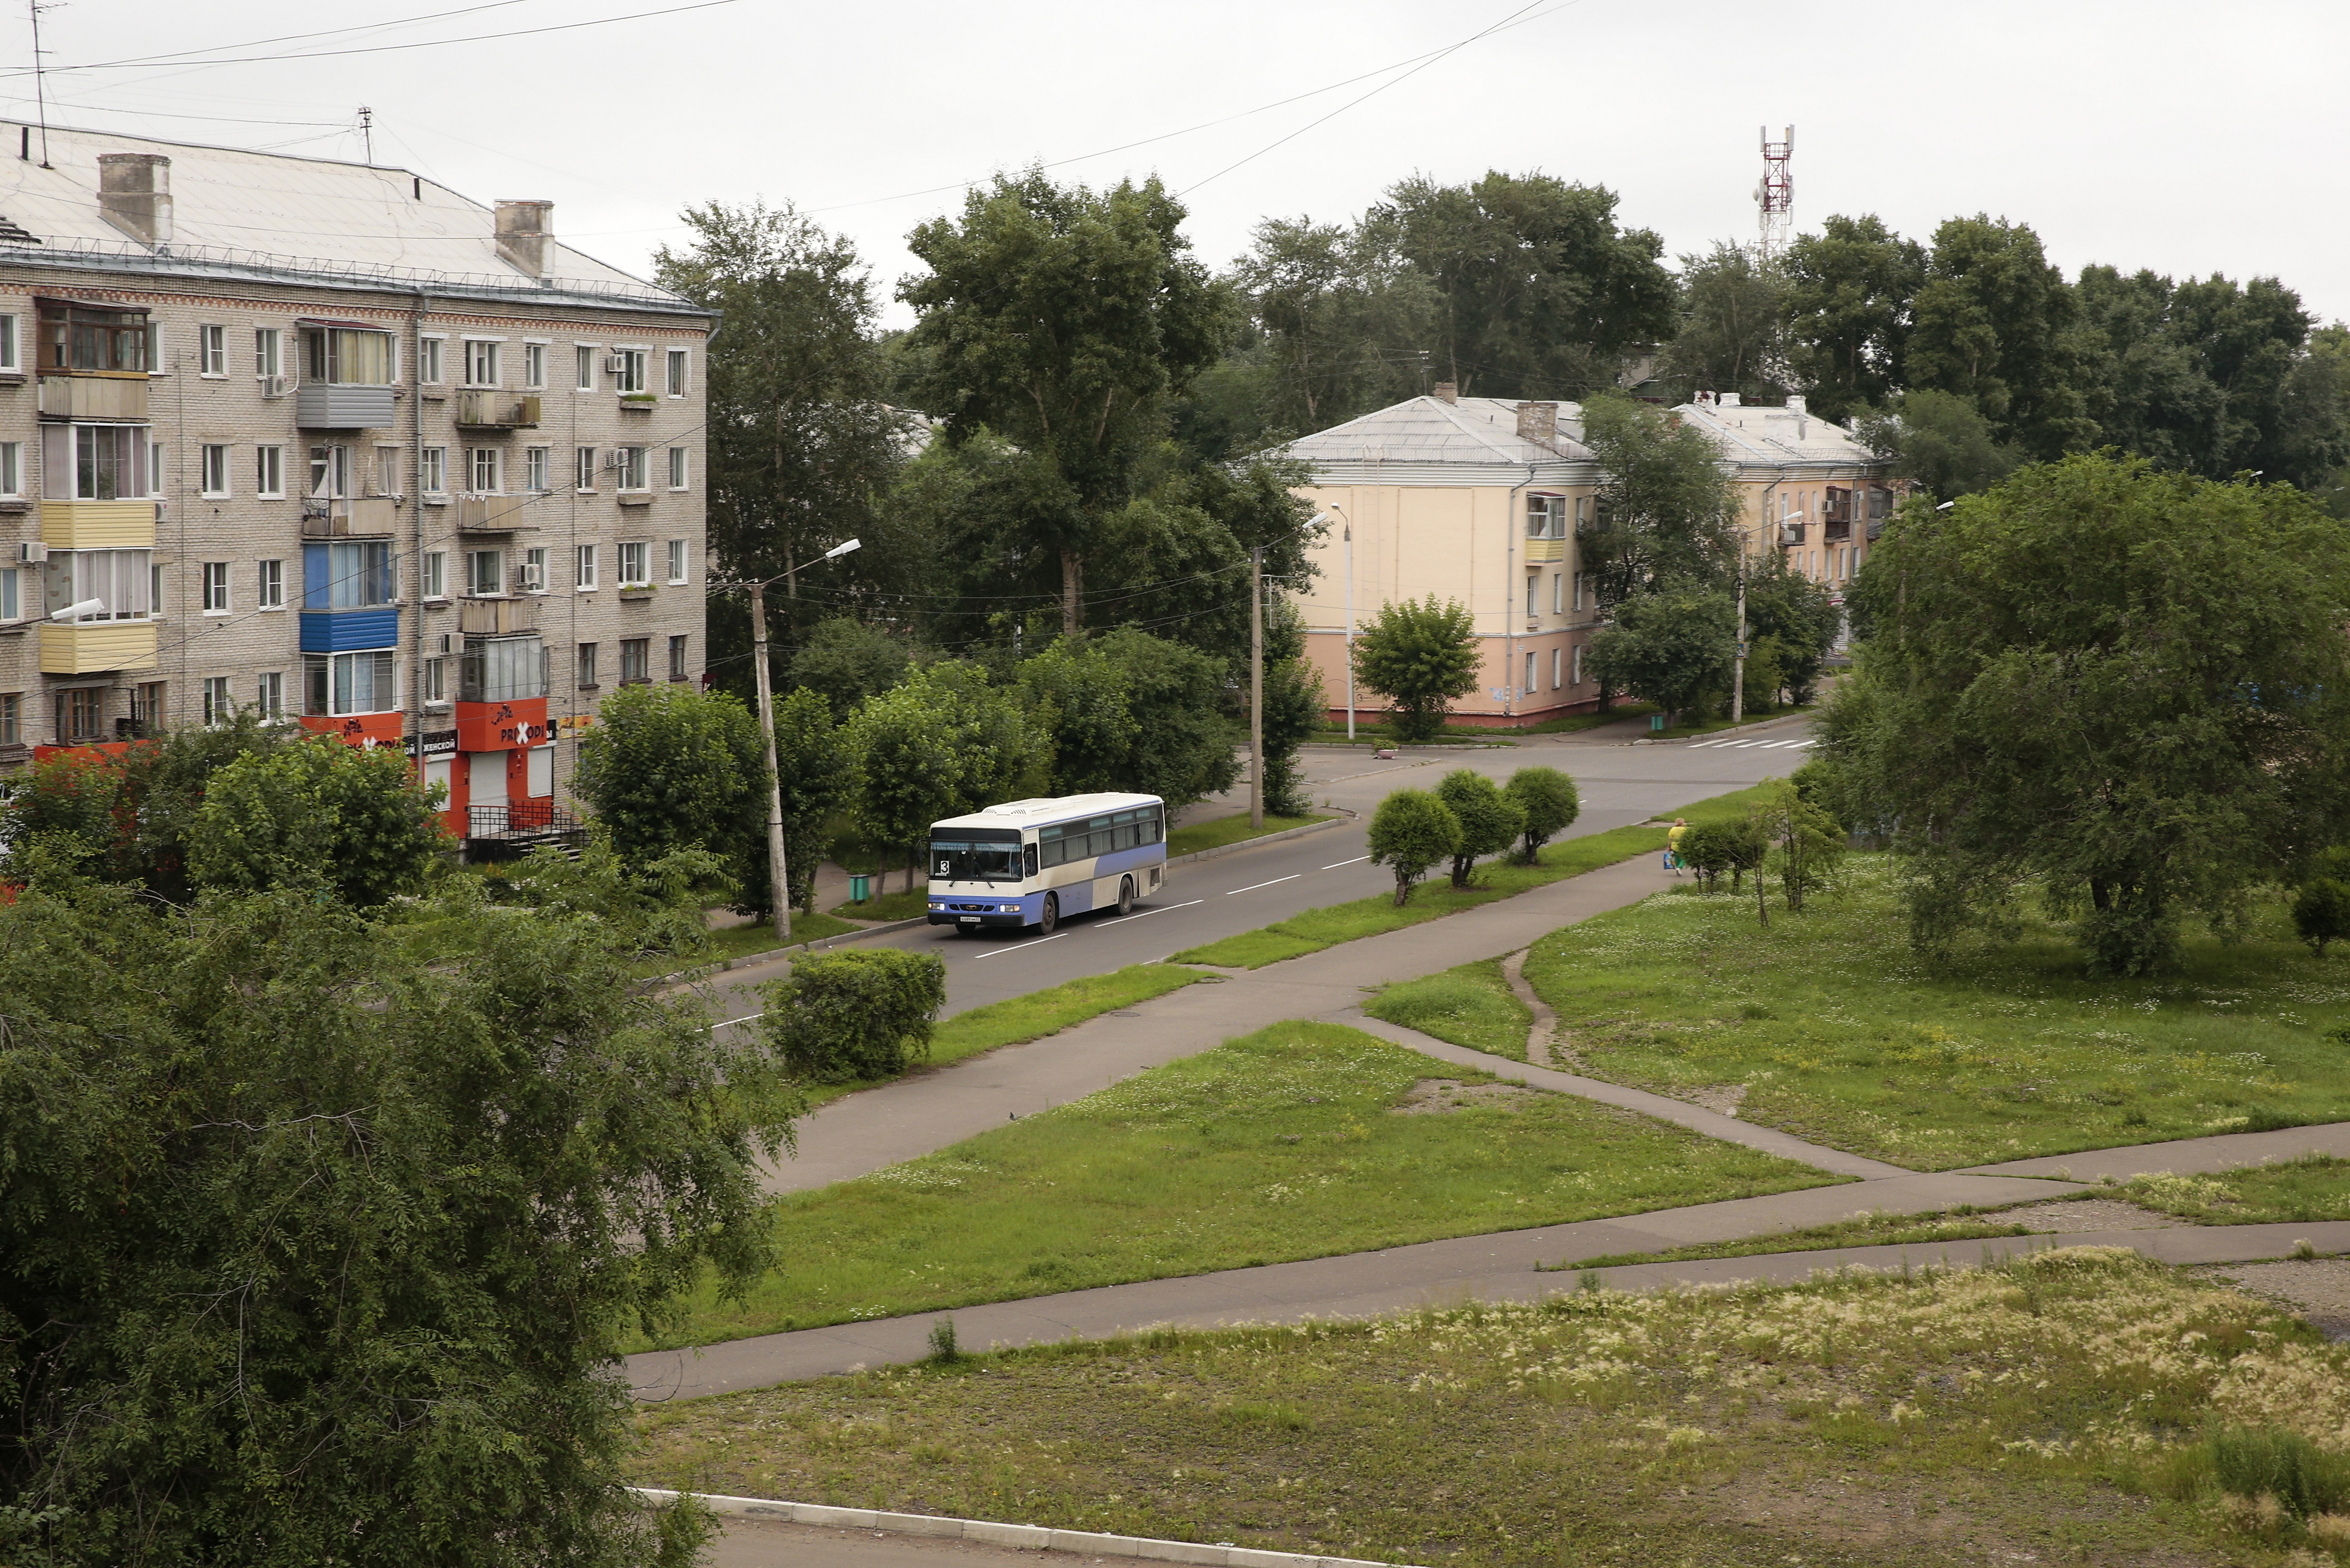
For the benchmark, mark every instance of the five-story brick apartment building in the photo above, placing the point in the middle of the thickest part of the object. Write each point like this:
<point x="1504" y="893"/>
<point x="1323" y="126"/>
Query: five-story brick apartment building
<point x="335" y="443"/>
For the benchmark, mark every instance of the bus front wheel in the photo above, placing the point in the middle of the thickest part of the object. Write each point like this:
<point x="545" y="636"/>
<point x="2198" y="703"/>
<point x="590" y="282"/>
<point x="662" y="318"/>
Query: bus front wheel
<point x="1050" y="914"/>
<point x="1125" y="895"/>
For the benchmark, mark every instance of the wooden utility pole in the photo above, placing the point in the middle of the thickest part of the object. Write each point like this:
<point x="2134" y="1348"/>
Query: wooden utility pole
<point x="1256" y="686"/>
<point x="779" y="883"/>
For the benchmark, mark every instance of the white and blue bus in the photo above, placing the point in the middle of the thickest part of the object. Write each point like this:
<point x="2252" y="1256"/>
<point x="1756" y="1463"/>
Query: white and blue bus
<point x="1031" y="862"/>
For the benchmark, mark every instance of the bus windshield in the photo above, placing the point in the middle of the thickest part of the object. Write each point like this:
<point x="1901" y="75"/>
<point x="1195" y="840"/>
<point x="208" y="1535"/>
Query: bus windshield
<point x="974" y="856"/>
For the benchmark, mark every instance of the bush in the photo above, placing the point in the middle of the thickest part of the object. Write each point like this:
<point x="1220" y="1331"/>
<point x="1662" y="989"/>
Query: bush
<point x="863" y="1013"/>
<point x="2321" y="913"/>
<point x="1551" y="804"/>
<point x="2286" y="1466"/>
<point x="1411" y="831"/>
<point x="1490" y="820"/>
<point x="1710" y="849"/>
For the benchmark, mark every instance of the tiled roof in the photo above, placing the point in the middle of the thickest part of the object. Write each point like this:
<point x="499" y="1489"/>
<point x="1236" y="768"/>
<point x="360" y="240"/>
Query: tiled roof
<point x="1483" y="432"/>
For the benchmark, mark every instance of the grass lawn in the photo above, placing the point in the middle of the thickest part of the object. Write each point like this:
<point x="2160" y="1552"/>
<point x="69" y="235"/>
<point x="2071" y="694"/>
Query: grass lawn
<point x="2311" y="1188"/>
<point x="1293" y="1142"/>
<point x="1217" y="832"/>
<point x="1841" y="1035"/>
<point x="1710" y="726"/>
<point x="899" y="905"/>
<point x="1471" y="1006"/>
<point x="748" y="941"/>
<point x="2054" y="1410"/>
<point x="1960" y="1224"/>
<point x="1315" y="930"/>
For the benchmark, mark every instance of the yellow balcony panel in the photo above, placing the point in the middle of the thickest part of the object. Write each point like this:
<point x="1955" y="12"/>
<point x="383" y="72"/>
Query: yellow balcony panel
<point x="92" y="647"/>
<point x="1546" y="550"/>
<point x="98" y="524"/>
<point x="94" y="398"/>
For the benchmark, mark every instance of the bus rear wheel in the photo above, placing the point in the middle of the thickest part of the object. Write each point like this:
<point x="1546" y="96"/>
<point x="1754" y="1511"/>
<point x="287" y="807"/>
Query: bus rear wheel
<point x="1125" y="895"/>
<point x="1050" y="914"/>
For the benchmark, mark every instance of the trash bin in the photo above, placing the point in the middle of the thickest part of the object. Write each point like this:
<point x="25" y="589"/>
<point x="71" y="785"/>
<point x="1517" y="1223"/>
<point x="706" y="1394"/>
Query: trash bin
<point x="860" y="887"/>
<point x="1656" y="722"/>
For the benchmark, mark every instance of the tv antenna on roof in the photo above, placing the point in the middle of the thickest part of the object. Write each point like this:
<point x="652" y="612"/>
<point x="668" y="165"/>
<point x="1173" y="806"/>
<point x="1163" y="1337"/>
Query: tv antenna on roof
<point x="367" y="132"/>
<point x="1775" y="196"/>
<point x="40" y="98"/>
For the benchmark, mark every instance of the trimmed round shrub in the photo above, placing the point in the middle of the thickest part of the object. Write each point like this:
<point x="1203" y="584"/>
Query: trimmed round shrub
<point x="856" y="1014"/>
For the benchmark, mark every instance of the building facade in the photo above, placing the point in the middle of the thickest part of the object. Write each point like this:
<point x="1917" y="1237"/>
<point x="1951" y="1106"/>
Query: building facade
<point x="415" y="474"/>
<point x="1479" y="500"/>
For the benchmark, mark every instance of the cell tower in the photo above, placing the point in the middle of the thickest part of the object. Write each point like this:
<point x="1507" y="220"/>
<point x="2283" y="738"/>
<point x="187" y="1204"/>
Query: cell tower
<point x="1775" y="197"/>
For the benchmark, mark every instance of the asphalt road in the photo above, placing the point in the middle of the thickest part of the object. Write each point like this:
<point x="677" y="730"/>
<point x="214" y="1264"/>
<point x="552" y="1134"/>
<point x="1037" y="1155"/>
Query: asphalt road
<point x="1620" y="783"/>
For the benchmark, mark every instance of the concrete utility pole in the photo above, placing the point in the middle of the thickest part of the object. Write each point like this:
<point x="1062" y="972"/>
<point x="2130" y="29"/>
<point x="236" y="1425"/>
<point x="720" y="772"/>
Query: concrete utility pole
<point x="1738" y="663"/>
<point x="1256" y="686"/>
<point x="779" y="886"/>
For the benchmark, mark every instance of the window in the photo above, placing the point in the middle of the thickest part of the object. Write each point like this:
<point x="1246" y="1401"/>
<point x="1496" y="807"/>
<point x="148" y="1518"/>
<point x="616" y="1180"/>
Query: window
<point x="331" y="472"/>
<point x="268" y="352"/>
<point x="1578" y="664"/>
<point x="12" y="601"/>
<point x="147" y="707"/>
<point x="219" y="706"/>
<point x="629" y="369"/>
<point x="502" y="670"/>
<point x="269" y="470"/>
<point x="676" y="659"/>
<point x="122" y="581"/>
<point x="1558" y="593"/>
<point x="485" y="572"/>
<point x="587" y="667"/>
<point x="534" y="468"/>
<point x="12" y="705"/>
<point x="155" y="468"/>
<point x="78" y="709"/>
<point x="269" y="590"/>
<point x="338" y="683"/>
<point x="215" y="471"/>
<point x="269" y="696"/>
<point x="1533" y="579"/>
<point x="588" y="579"/>
<point x="10" y="359"/>
<point x="677" y="468"/>
<point x="436" y="683"/>
<point x="12" y="461"/>
<point x="347" y="357"/>
<point x="677" y="560"/>
<point x="215" y="576"/>
<point x="359" y="575"/>
<point x="480" y="363"/>
<point x="387" y="470"/>
<point x="155" y="589"/>
<point x="585" y="377"/>
<point x="628" y="461"/>
<point x="481" y="465"/>
<point x="634" y="652"/>
<point x="1557" y="663"/>
<point x="77" y="338"/>
<point x="534" y="366"/>
<point x="211" y="350"/>
<point x="1578" y="590"/>
<point x="584" y="469"/>
<point x="633" y="569"/>
<point x="677" y="360"/>
<point x="1545" y="516"/>
<point x="433" y="472"/>
<point x="534" y="569"/>
<point x="427" y="361"/>
<point x="436" y="574"/>
<point x="1528" y="689"/>
<point x="94" y="463"/>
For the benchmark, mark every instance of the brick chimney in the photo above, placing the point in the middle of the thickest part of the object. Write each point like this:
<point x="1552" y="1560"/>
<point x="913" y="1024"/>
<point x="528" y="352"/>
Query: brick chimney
<point x="525" y="235"/>
<point x="1448" y="392"/>
<point x="134" y="194"/>
<point x="1537" y="421"/>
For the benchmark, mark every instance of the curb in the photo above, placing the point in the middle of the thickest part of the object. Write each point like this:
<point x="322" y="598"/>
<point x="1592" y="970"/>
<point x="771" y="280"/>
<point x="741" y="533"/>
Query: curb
<point x="1019" y="1537"/>
<point x="1267" y="838"/>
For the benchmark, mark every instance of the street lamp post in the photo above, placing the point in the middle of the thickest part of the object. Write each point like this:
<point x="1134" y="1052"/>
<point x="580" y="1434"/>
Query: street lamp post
<point x="779" y="888"/>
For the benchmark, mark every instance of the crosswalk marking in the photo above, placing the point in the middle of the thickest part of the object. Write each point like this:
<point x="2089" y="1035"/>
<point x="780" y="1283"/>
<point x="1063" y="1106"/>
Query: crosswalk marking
<point x="1759" y="745"/>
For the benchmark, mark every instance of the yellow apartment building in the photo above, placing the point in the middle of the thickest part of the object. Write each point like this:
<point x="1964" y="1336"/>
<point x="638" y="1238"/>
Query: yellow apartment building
<point x="1479" y="500"/>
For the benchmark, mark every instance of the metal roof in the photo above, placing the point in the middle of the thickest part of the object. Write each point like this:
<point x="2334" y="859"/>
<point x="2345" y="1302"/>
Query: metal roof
<point x="273" y="214"/>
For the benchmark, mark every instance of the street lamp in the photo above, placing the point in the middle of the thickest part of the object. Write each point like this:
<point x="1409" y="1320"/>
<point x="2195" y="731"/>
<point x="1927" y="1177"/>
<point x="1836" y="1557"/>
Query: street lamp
<point x="1349" y="538"/>
<point x="779" y="885"/>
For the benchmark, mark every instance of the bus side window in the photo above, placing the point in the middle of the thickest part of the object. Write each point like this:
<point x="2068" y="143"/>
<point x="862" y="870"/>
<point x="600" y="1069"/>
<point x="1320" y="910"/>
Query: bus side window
<point x="1028" y="859"/>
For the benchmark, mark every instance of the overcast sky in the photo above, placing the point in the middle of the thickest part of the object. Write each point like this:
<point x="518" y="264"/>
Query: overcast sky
<point x="2183" y="138"/>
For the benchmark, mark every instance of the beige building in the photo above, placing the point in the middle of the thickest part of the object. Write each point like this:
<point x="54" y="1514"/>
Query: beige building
<point x="1478" y="500"/>
<point x="337" y="443"/>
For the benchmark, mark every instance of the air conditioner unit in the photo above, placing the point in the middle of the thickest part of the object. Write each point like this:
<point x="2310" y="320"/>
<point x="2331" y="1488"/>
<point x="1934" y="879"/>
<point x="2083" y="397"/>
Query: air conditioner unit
<point x="617" y="458"/>
<point x="32" y="550"/>
<point x="526" y="579"/>
<point x="615" y="363"/>
<point x="276" y="386"/>
<point x="445" y="643"/>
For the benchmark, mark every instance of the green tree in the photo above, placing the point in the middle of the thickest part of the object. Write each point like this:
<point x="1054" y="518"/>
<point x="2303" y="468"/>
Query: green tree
<point x="1806" y="844"/>
<point x="322" y="1247"/>
<point x="1411" y="831"/>
<point x="1077" y="693"/>
<point x="1294" y="709"/>
<point x="1550" y="802"/>
<point x="1850" y="291"/>
<point x="1731" y="335"/>
<point x="1938" y="442"/>
<point x="1490" y="819"/>
<point x="1420" y="657"/>
<point x="2125" y="687"/>
<point x="1183" y="742"/>
<point x="1538" y="293"/>
<point x="2321" y="913"/>
<point x="1063" y="320"/>
<point x="846" y="661"/>
<point x="317" y="812"/>
<point x="1995" y="323"/>
<point x="1671" y="649"/>
<point x="667" y="767"/>
<point x="1666" y="512"/>
<point x="1344" y="323"/>
<point x="1798" y="616"/>
<point x="945" y="742"/>
<point x="814" y="774"/>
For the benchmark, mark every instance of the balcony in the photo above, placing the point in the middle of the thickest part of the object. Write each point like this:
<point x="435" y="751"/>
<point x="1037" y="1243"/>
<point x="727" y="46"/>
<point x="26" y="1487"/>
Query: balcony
<point x="496" y="618"/>
<point x="119" y="398"/>
<point x="507" y="832"/>
<point x="1790" y="533"/>
<point x="330" y="406"/>
<point x="493" y="411"/>
<point x="98" y="524"/>
<point x="94" y="648"/>
<point x="492" y="513"/>
<point x="1546" y="550"/>
<point x="360" y="517"/>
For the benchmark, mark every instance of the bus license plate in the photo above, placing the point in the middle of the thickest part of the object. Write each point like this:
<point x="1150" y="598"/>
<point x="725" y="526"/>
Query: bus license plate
<point x="971" y="920"/>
